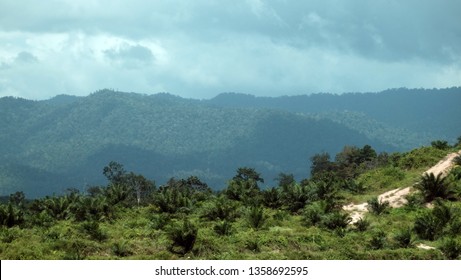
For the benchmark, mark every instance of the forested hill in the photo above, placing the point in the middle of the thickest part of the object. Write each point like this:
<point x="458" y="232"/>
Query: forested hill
<point x="49" y="146"/>
<point x="405" y="118"/>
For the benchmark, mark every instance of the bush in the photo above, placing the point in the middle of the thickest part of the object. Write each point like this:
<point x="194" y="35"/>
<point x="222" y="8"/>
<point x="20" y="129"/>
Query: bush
<point x="221" y="209"/>
<point x="378" y="240"/>
<point x="378" y="207"/>
<point x="272" y="198"/>
<point x="441" y="145"/>
<point x="451" y="249"/>
<point x="414" y="201"/>
<point x="427" y="226"/>
<point x="362" y="225"/>
<point x="354" y="187"/>
<point x="254" y="245"/>
<point x="404" y="238"/>
<point x="223" y="227"/>
<point x="295" y="197"/>
<point x="11" y="215"/>
<point x="172" y="200"/>
<point x="432" y="224"/>
<point x="432" y="186"/>
<point x="183" y="236"/>
<point x="93" y="230"/>
<point x="256" y="217"/>
<point x="336" y="220"/>
<point x="121" y="249"/>
<point x="313" y="214"/>
<point x="159" y="221"/>
<point x="422" y="157"/>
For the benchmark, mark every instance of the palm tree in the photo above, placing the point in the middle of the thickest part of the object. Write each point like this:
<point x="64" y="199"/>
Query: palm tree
<point x="434" y="186"/>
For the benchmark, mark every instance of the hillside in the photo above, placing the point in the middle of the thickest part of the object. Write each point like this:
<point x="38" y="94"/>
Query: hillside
<point x="51" y="145"/>
<point x="404" y="118"/>
<point x="131" y="218"/>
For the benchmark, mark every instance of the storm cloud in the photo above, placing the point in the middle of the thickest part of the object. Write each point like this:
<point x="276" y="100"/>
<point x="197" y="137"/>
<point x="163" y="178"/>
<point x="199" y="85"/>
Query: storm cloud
<point x="201" y="48"/>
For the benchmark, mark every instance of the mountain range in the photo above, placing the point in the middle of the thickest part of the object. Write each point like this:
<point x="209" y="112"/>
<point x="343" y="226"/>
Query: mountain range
<point x="50" y="145"/>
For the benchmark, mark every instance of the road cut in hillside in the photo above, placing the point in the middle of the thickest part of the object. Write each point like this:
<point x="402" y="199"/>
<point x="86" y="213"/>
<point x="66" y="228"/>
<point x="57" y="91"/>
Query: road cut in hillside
<point x="396" y="197"/>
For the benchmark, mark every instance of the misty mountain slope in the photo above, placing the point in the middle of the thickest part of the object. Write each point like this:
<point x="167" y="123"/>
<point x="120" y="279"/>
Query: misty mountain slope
<point x="417" y="115"/>
<point x="160" y="136"/>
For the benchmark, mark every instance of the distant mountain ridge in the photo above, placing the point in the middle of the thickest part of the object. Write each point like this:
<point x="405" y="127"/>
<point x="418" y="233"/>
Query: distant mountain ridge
<point x="418" y="114"/>
<point x="48" y="146"/>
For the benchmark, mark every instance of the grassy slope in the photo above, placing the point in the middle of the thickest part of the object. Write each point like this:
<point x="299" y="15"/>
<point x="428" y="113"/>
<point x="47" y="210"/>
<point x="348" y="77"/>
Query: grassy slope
<point x="135" y="234"/>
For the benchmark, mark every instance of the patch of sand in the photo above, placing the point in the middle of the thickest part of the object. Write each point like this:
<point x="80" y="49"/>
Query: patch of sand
<point x="424" y="247"/>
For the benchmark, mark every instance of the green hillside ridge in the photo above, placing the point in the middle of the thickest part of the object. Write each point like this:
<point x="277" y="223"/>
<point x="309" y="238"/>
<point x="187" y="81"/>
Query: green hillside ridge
<point x="51" y="145"/>
<point x="404" y="118"/>
<point x="62" y="142"/>
<point x="132" y="218"/>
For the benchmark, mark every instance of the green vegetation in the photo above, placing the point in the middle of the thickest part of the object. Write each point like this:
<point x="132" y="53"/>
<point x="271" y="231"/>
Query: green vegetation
<point x="51" y="145"/>
<point x="132" y="218"/>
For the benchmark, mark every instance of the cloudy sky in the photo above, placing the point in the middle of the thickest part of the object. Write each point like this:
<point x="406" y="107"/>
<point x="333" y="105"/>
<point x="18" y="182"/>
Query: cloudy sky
<point x="200" y="48"/>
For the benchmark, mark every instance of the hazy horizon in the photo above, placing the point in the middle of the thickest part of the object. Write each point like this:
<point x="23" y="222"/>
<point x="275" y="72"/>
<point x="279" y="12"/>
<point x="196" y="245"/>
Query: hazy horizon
<point x="202" y="48"/>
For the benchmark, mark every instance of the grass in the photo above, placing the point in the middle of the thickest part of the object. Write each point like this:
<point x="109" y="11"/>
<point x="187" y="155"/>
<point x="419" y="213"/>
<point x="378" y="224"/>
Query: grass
<point x="250" y="233"/>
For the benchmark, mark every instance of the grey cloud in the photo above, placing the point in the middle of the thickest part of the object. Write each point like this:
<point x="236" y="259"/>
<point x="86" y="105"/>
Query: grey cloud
<point x="25" y="57"/>
<point x="200" y="48"/>
<point x="131" y="56"/>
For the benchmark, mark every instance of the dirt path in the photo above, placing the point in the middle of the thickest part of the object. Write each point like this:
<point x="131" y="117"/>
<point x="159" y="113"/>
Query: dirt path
<point x="396" y="197"/>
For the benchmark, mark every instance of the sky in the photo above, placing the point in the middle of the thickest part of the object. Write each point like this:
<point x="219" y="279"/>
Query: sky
<point x="200" y="48"/>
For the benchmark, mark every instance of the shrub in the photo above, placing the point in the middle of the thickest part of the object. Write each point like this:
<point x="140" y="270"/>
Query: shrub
<point x="427" y="226"/>
<point x="441" y="145"/>
<point x="254" y="245"/>
<point x="378" y="240"/>
<point x="295" y="197"/>
<point x="121" y="249"/>
<point x="432" y="186"/>
<point x="272" y="198"/>
<point x="362" y="225"/>
<point x="414" y="201"/>
<point x="159" y="221"/>
<point x="11" y="215"/>
<point x="313" y="214"/>
<point x="451" y="249"/>
<point x="223" y="227"/>
<point x="183" y="236"/>
<point x="221" y="209"/>
<point x="256" y="217"/>
<point x="93" y="230"/>
<point x="354" y="187"/>
<point x="336" y="220"/>
<point x="378" y="207"/>
<point x="404" y="238"/>
<point x="432" y="224"/>
<point x="172" y="200"/>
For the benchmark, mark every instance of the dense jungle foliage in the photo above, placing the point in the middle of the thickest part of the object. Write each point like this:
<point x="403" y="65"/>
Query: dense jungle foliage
<point x="50" y="145"/>
<point x="131" y="217"/>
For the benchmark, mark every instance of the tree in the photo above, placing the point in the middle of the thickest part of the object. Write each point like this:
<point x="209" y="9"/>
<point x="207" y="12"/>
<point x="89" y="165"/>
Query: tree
<point x="367" y="153"/>
<point x="247" y="174"/>
<point x="140" y="185"/>
<point x="458" y="143"/>
<point x="183" y="236"/>
<point x="377" y="206"/>
<point x="441" y="145"/>
<point x="433" y="186"/>
<point x="114" y="172"/>
<point x="18" y="199"/>
<point x="321" y="164"/>
<point x="285" y="180"/>
<point x="244" y="186"/>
